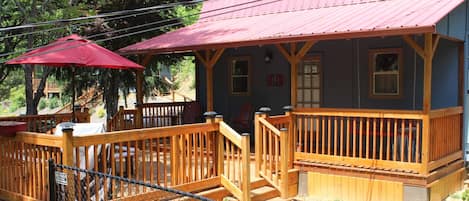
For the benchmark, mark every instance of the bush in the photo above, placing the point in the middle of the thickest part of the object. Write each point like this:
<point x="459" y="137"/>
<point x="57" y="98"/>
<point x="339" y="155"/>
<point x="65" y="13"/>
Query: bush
<point x="42" y="104"/>
<point x="17" y="98"/>
<point x="54" y="103"/>
<point x="465" y="195"/>
<point x="101" y="112"/>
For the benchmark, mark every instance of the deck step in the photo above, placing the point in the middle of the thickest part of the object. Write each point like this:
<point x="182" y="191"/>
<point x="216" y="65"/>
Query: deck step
<point x="264" y="193"/>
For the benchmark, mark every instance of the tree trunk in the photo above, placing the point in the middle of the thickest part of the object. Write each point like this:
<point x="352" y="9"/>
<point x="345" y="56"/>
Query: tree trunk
<point x="28" y="78"/>
<point x="111" y="96"/>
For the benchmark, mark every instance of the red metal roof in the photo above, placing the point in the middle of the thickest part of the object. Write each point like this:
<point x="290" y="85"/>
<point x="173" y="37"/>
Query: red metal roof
<point x="235" y="23"/>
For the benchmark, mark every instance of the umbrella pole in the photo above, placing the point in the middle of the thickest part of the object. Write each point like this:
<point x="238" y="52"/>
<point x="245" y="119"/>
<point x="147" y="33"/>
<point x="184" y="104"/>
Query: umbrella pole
<point x="73" y="95"/>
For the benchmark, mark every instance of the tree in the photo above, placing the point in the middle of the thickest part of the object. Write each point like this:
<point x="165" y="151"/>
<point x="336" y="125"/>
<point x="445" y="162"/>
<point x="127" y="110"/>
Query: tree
<point x="22" y="12"/>
<point x="108" y="79"/>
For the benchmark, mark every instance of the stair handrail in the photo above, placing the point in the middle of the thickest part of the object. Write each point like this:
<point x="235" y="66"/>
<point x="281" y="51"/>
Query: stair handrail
<point x="268" y="158"/>
<point x="227" y="139"/>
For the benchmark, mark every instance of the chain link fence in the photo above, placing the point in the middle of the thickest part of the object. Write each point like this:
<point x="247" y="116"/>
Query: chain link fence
<point x="75" y="184"/>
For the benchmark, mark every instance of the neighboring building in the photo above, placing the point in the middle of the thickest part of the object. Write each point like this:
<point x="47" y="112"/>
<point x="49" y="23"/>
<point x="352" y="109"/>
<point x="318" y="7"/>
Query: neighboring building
<point x="363" y="56"/>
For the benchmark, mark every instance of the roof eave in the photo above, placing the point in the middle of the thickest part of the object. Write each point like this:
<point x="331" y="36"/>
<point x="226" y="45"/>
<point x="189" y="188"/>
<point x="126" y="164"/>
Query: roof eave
<point x="290" y="39"/>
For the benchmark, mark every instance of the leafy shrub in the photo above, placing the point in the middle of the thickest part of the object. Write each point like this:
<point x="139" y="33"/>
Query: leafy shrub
<point x="54" y="103"/>
<point x="17" y="98"/>
<point x="101" y="112"/>
<point x="42" y="104"/>
<point x="465" y="195"/>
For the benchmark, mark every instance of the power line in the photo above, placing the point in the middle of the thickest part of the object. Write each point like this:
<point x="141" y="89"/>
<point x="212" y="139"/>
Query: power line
<point x="110" y="14"/>
<point x="88" y="23"/>
<point x="133" y="33"/>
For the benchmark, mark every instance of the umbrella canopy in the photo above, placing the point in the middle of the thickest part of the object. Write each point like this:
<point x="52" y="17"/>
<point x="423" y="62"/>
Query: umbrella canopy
<point x="72" y="51"/>
<point x="75" y="51"/>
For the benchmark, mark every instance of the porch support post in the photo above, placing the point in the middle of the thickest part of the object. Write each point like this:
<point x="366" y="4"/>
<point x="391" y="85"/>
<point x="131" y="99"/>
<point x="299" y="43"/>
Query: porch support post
<point x="139" y="97"/>
<point x="294" y="58"/>
<point x="209" y="61"/>
<point x="427" y="52"/>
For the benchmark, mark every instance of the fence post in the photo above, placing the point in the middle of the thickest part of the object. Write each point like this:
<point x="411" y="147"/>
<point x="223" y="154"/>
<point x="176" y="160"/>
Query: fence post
<point x="67" y="147"/>
<point x="246" y="174"/>
<point x="220" y="148"/>
<point x="263" y="113"/>
<point x="291" y="149"/>
<point x="52" y="189"/>
<point x="284" y="147"/>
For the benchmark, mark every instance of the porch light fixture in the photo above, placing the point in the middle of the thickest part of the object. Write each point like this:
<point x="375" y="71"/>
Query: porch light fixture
<point x="268" y="56"/>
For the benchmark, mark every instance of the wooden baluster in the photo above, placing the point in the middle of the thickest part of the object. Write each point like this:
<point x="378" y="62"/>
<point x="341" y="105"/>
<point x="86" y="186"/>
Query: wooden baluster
<point x="323" y="135"/>
<point x="342" y="133"/>
<point x="316" y="133"/>
<point x="354" y="136"/>
<point x="409" y="150"/>
<point x="78" y="162"/>
<point x="402" y="139"/>
<point x="417" y="142"/>
<point x="381" y="134"/>
<point x="360" y="140"/>
<point x="374" y="138"/>
<point x="311" y="134"/>
<point x="335" y="136"/>
<point x="367" y="134"/>
<point x="347" y="140"/>
<point x="329" y="144"/>
<point x="395" y="140"/>
<point x="388" y="139"/>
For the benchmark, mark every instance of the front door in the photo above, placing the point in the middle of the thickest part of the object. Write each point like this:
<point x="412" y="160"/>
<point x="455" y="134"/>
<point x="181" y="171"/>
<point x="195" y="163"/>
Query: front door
<point x="309" y="83"/>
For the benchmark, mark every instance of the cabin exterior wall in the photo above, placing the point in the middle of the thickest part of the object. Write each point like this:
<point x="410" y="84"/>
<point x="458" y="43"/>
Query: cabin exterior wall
<point x="345" y="79"/>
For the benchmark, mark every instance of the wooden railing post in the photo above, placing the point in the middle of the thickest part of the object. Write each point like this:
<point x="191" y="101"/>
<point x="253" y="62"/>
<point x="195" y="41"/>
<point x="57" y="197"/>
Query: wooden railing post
<point x="425" y="144"/>
<point x="210" y="118"/>
<point x="175" y="155"/>
<point x="138" y="116"/>
<point x="291" y="147"/>
<point x="120" y="118"/>
<point x="263" y="113"/>
<point x="285" y="156"/>
<point x="246" y="174"/>
<point x="67" y="148"/>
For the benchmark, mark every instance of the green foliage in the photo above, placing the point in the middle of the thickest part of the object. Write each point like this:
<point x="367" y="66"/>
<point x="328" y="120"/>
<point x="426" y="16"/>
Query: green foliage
<point x="465" y="195"/>
<point x="184" y="71"/>
<point x="17" y="98"/>
<point x="42" y="104"/>
<point x="101" y="112"/>
<point x="14" y="78"/>
<point x="54" y="103"/>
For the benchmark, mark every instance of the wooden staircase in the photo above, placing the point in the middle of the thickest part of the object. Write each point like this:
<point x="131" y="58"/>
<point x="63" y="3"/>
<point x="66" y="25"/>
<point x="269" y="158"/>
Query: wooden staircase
<point x="261" y="191"/>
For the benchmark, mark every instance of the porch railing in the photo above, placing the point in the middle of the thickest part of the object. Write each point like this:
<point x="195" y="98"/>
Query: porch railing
<point x="153" y="115"/>
<point x="273" y="151"/>
<point x="46" y="123"/>
<point x="392" y="140"/>
<point x="188" y="157"/>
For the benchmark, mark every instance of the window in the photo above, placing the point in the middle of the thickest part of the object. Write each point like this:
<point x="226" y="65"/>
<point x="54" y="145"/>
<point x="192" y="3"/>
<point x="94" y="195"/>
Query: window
<point x="240" y="76"/>
<point x="386" y="73"/>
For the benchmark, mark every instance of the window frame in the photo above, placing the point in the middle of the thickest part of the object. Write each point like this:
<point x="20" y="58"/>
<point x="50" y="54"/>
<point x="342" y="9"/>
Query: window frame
<point x="372" y="62"/>
<point x="248" y="90"/>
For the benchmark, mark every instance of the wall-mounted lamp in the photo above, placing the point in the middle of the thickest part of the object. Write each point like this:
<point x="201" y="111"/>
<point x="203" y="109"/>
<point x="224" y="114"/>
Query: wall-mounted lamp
<point x="268" y="56"/>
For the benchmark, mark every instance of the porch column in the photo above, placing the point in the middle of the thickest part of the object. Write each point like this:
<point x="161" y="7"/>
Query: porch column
<point x="294" y="58"/>
<point x="209" y="61"/>
<point x="139" y="97"/>
<point x="427" y="52"/>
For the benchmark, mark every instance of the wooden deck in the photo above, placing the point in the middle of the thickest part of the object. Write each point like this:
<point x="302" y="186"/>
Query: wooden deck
<point x="214" y="160"/>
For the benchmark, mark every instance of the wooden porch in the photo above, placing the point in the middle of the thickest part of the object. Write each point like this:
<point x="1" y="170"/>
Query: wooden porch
<point x="214" y="160"/>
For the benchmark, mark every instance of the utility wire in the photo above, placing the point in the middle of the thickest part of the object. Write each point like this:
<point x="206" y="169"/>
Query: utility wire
<point x="110" y="14"/>
<point x="133" y="33"/>
<point x="89" y="23"/>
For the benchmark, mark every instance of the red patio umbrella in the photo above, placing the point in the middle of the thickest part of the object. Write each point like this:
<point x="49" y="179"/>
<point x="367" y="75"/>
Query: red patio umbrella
<point x="71" y="51"/>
